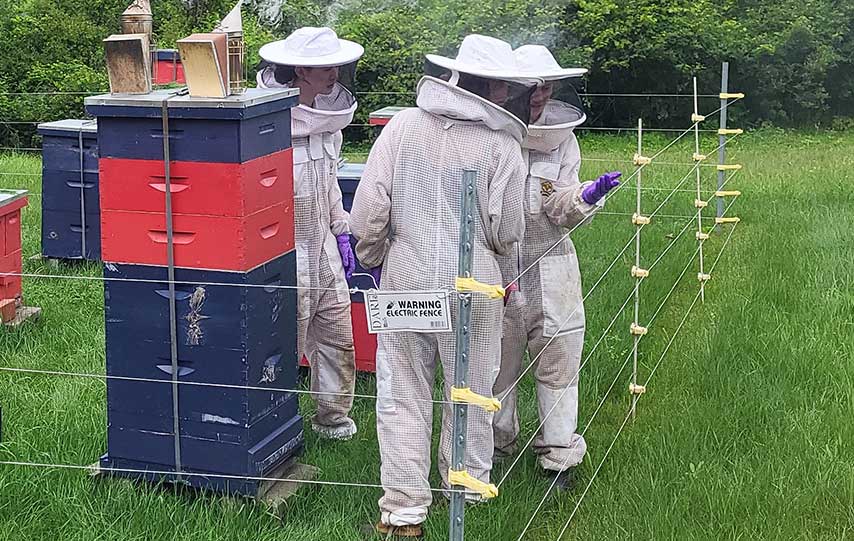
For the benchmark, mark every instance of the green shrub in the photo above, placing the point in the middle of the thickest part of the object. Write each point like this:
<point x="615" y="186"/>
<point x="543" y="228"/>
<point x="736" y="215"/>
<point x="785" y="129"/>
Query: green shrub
<point x="794" y="60"/>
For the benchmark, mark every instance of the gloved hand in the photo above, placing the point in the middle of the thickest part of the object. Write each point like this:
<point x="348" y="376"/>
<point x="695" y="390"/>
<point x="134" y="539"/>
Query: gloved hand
<point x="599" y="187"/>
<point x="376" y="272"/>
<point x="346" y="251"/>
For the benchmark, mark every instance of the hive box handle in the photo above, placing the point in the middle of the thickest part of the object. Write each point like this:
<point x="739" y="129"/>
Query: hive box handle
<point x="178" y="238"/>
<point x="270" y="231"/>
<point x="182" y="370"/>
<point x="268" y="178"/>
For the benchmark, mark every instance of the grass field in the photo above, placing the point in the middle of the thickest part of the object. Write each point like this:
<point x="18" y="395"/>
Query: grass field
<point x="745" y="431"/>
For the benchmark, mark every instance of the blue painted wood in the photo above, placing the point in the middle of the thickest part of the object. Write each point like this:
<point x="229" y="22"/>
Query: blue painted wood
<point x="229" y="334"/>
<point x="271" y="365"/>
<point x="137" y="450"/>
<point x="167" y="54"/>
<point x="195" y="140"/>
<point x="347" y="201"/>
<point x="61" y="235"/>
<point x="206" y="424"/>
<point x="234" y="316"/>
<point x="252" y="103"/>
<point x="61" y="146"/>
<point x="61" y="191"/>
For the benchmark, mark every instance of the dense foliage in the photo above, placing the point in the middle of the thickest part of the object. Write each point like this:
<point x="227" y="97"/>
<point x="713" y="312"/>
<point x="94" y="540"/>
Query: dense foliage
<point x="793" y="59"/>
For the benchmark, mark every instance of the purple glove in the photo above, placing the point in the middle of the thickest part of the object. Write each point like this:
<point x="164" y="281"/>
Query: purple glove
<point x="376" y="272"/>
<point x="597" y="189"/>
<point x="346" y="251"/>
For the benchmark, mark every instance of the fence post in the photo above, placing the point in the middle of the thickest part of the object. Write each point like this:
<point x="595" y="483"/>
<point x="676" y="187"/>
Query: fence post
<point x="461" y="365"/>
<point x="722" y="140"/>
<point x="699" y="202"/>
<point x="638" y="273"/>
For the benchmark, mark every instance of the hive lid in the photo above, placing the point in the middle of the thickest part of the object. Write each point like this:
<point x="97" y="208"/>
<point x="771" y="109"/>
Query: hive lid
<point x="63" y="127"/>
<point x="251" y="103"/>
<point x="7" y="197"/>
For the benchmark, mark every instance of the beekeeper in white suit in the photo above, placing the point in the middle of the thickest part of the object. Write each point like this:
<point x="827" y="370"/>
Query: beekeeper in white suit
<point x="316" y="61"/>
<point x="548" y="303"/>
<point x="406" y="216"/>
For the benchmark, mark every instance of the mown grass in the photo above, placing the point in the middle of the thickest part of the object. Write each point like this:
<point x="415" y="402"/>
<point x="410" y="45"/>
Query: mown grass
<point x="745" y="430"/>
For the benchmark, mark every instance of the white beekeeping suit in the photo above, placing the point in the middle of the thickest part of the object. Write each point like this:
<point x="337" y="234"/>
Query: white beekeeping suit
<point x="314" y="59"/>
<point x="406" y="216"/>
<point x="548" y="305"/>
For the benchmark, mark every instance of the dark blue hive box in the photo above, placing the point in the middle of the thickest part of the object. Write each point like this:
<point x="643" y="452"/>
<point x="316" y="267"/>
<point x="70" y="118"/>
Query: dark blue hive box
<point x="154" y="452"/>
<point x="265" y="366"/>
<point x="235" y="129"/>
<point x="349" y="176"/>
<point x="62" y="235"/>
<point x="221" y="448"/>
<point x="244" y="311"/>
<point x="62" y="191"/>
<point x="61" y="145"/>
<point x="239" y="335"/>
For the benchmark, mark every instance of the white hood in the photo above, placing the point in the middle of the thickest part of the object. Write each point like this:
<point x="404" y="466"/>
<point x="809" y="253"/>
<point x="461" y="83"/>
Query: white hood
<point x="331" y="112"/>
<point x="444" y="99"/>
<point x="553" y="127"/>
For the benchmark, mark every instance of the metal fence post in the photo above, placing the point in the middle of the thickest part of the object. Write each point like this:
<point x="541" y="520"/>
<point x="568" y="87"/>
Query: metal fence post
<point x="461" y="365"/>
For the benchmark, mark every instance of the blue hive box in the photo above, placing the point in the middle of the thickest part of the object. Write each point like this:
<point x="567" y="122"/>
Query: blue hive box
<point x="349" y="176"/>
<point x="246" y="309"/>
<point x="63" y="188"/>
<point x="154" y="452"/>
<point x="61" y="191"/>
<point x="222" y="448"/>
<point x="239" y="334"/>
<point x="235" y="129"/>
<point x="61" y="145"/>
<point x="271" y="371"/>
<point x="62" y="235"/>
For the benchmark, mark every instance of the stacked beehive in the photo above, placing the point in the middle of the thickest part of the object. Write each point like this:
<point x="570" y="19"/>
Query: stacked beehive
<point x="231" y="178"/>
<point x="168" y="68"/>
<point x="71" y="216"/>
<point x="11" y="203"/>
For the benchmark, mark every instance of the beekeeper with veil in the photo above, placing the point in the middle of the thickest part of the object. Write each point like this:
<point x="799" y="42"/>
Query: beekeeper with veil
<point x="471" y="115"/>
<point x="322" y="66"/>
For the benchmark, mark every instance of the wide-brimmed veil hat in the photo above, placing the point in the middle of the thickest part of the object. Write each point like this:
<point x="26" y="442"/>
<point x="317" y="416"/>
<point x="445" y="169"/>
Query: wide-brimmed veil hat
<point x="537" y="61"/>
<point x="487" y="57"/>
<point x="312" y="47"/>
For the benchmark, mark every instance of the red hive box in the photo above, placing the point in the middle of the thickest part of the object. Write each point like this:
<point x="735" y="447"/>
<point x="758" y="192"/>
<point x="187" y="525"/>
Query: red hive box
<point x="11" y="203"/>
<point x="383" y="116"/>
<point x="366" y="343"/>
<point x="168" y="67"/>
<point x="231" y="188"/>
<point x="210" y="189"/>
<point x="227" y="216"/>
<point x="201" y="242"/>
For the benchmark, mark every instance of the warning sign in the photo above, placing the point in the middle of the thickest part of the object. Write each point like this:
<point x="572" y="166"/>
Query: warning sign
<point x="390" y="311"/>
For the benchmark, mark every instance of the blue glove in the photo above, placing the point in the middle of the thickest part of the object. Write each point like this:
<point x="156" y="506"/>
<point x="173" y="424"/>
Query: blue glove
<point x="346" y="251"/>
<point x="597" y="189"/>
